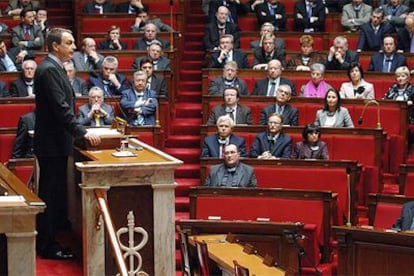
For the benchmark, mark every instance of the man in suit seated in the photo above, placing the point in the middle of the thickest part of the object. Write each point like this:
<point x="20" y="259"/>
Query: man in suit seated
<point x="269" y="85"/>
<point x="229" y="79"/>
<point x="79" y="85"/>
<point x="138" y="102"/>
<point x="150" y="34"/>
<point x="142" y="19"/>
<point x="87" y="59"/>
<point x="131" y="7"/>
<point x="340" y="56"/>
<point x="96" y="113"/>
<point x="23" y="86"/>
<point x="154" y="82"/>
<point x="109" y="80"/>
<point x="405" y="221"/>
<point x="219" y="27"/>
<point x="309" y="16"/>
<point x="98" y="7"/>
<point x="232" y="172"/>
<point x="11" y="59"/>
<point x="235" y="8"/>
<point x="282" y="107"/>
<point x="395" y="13"/>
<point x="389" y="60"/>
<point x="272" y="143"/>
<point x="15" y="7"/>
<point x="266" y="53"/>
<point x="213" y="145"/>
<point x="240" y="114"/>
<point x="354" y="15"/>
<point x="268" y="28"/>
<point x="406" y="36"/>
<point x="155" y="54"/>
<point x="23" y="143"/>
<point x="227" y="53"/>
<point x="26" y="35"/>
<point x="271" y="11"/>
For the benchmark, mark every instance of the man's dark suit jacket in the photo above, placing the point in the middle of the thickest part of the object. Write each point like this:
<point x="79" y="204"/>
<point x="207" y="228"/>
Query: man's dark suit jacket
<point x="12" y="53"/>
<point x="263" y="15"/>
<point x="128" y="100"/>
<point x="404" y="40"/>
<point x="234" y="8"/>
<point x="261" y="86"/>
<point x="84" y="120"/>
<point x="141" y="44"/>
<point x="238" y="56"/>
<point x="163" y="63"/>
<point x="18" y="88"/>
<point x="89" y="8"/>
<point x="377" y="62"/>
<point x="318" y="10"/>
<point x="260" y="57"/>
<point x="282" y="147"/>
<point x="159" y="85"/>
<point x="212" y="36"/>
<point x="246" y="176"/>
<point x="404" y="222"/>
<point x="98" y="81"/>
<point x="290" y="114"/>
<point x="35" y="32"/>
<point x="211" y="146"/>
<point x="369" y="40"/>
<point x="243" y="115"/>
<point x="350" y="56"/>
<point x="217" y="86"/>
<point x="106" y="45"/>
<point x="80" y="86"/>
<point x="3" y="89"/>
<point x="124" y="8"/>
<point x="23" y="144"/>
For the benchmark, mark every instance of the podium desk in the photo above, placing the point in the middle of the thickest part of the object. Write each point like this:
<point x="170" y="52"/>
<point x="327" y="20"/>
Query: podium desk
<point x="365" y="251"/>
<point x="143" y="184"/>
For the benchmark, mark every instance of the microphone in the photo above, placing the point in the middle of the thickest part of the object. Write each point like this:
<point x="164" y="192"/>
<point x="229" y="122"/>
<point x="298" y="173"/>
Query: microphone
<point x="367" y="103"/>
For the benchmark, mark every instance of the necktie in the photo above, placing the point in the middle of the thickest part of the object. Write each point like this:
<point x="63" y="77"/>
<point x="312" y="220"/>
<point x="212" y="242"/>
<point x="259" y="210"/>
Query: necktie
<point x="272" y="89"/>
<point x="412" y="44"/>
<point x="309" y="10"/>
<point x="279" y="109"/>
<point x="26" y="34"/>
<point x="356" y="13"/>
<point x="97" y="120"/>
<point x="230" y="112"/>
<point x="387" y="65"/>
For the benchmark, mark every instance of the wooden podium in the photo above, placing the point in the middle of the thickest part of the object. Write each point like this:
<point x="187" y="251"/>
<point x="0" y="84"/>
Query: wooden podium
<point x="143" y="184"/>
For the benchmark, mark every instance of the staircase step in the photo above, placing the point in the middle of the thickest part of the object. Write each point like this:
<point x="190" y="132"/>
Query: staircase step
<point x="181" y="215"/>
<point x="189" y="96"/>
<point x="195" y="28"/>
<point x="183" y="141"/>
<point x="192" y="65"/>
<point x="186" y="126"/>
<point x="193" y="55"/>
<point x="188" y="110"/>
<point x="182" y="204"/>
<point x="391" y="189"/>
<point x="194" y="37"/>
<point x="188" y="171"/>
<point x="190" y="85"/>
<point x="191" y="75"/>
<point x="185" y="154"/>
<point x="184" y="184"/>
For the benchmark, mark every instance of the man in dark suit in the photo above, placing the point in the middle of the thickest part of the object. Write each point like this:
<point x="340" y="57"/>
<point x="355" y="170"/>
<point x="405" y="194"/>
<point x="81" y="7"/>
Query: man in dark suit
<point x="219" y="27"/>
<point x="96" y="113"/>
<point x="155" y="54"/>
<point x="272" y="143"/>
<point x="235" y="9"/>
<point x="78" y="84"/>
<point x="98" y="7"/>
<point x="11" y="59"/>
<point x="389" y="60"/>
<point x="143" y="19"/>
<point x="240" y="114"/>
<point x="281" y="106"/>
<point x="231" y="173"/>
<point x="131" y="7"/>
<point x="271" y="11"/>
<point x="213" y="145"/>
<point x="340" y="56"/>
<point x="87" y="59"/>
<point x="54" y="128"/>
<point x="109" y="80"/>
<point x="267" y="52"/>
<point x="309" y="16"/>
<point x="154" y="82"/>
<point x="268" y="28"/>
<point x="227" y="53"/>
<point x="24" y="85"/>
<point x="229" y="79"/>
<point x="23" y="144"/>
<point x="405" y="221"/>
<point x="16" y="6"/>
<point x="269" y="85"/>
<point x="406" y="36"/>
<point x="150" y="34"/>
<point x="26" y="35"/>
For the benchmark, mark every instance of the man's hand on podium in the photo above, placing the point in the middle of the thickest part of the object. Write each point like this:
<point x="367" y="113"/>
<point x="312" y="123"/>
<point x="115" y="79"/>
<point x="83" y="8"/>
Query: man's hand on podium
<point x="93" y="138"/>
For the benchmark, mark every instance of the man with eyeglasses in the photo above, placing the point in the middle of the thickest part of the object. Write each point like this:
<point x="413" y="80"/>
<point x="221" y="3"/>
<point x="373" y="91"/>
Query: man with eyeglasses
<point x="96" y="113"/>
<point x="232" y="172"/>
<point x="273" y="143"/>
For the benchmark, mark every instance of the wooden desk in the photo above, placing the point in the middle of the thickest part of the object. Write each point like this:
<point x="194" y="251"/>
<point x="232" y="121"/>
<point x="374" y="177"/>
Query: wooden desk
<point x="223" y="253"/>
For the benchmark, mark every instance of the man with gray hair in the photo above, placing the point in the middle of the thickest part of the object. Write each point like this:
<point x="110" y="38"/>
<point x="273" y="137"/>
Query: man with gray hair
<point x="24" y="85"/>
<point x="96" y="113"/>
<point x="78" y="84"/>
<point x="227" y="53"/>
<point x="150" y="34"/>
<point x="268" y="28"/>
<point x="155" y="54"/>
<point x="340" y="56"/>
<point x="229" y="79"/>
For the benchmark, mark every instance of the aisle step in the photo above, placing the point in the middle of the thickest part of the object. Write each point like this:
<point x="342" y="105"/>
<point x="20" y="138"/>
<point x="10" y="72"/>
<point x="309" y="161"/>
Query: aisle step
<point x="193" y="55"/>
<point x="189" y="85"/>
<point x="182" y="204"/>
<point x="189" y="96"/>
<point x="186" y="126"/>
<point x="192" y="65"/>
<point x="190" y="75"/>
<point x="188" y="171"/>
<point x="184" y="184"/>
<point x="183" y="141"/>
<point x="181" y="215"/>
<point x="187" y="155"/>
<point x="188" y="110"/>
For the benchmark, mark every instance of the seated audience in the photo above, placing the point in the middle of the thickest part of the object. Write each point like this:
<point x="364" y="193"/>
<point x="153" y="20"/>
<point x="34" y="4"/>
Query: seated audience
<point x="405" y="221"/>
<point x="226" y="53"/>
<point x="150" y="35"/>
<point x="266" y="53"/>
<point x="269" y="85"/>
<point x="96" y="113"/>
<point x="41" y="21"/>
<point x="405" y="36"/>
<point x="311" y="147"/>
<point x="340" y="56"/>
<point x="357" y="87"/>
<point x="11" y="59"/>
<point x="154" y="82"/>
<point x="131" y="7"/>
<point x="395" y="13"/>
<point x="23" y="143"/>
<point x="309" y="16"/>
<point x="213" y="145"/>
<point x="317" y="86"/>
<point x="26" y="35"/>
<point x="232" y="172"/>
<point x="24" y="85"/>
<point x="219" y="27"/>
<point x="15" y="7"/>
<point x="87" y="59"/>
<point x="3" y="90"/>
<point x="333" y="114"/>
<point x="354" y="15"/>
<point x="155" y="54"/>
<point x="282" y="107"/>
<point x="272" y="11"/>
<point x="372" y="33"/>
<point x="272" y="143"/>
<point x="142" y="19"/>
<point x="240" y="114"/>
<point x="138" y="102"/>
<point x="389" y="59"/>
<point x="235" y="8"/>
<point x="78" y="84"/>
<point x="307" y="55"/>
<point x="268" y="28"/>
<point x="109" y="80"/>
<point x="229" y="79"/>
<point x="113" y="42"/>
<point x="98" y="7"/>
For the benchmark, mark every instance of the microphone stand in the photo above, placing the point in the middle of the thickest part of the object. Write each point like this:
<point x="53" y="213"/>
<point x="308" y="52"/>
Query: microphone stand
<point x="348" y="180"/>
<point x="367" y="103"/>
<point x="172" y="25"/>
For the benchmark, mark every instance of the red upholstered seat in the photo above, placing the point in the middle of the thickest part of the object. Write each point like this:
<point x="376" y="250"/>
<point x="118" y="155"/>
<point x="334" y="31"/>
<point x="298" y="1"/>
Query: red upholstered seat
<point x="386" y="214"/>
<point x="10" y="113"/>
<point x="6" y="146"/>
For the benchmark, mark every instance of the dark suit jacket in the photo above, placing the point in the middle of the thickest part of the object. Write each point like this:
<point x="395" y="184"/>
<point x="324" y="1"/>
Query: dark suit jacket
<point x="141" y="44"/>
<point x="23" y="144"/>
<point x="124" y="7"/>
<point x="263" y="15"/>
<point x="159" y="85"/>
<point x="211" y="146"/>
<point x="261" y="86"/>
<point x="12" y="53"/>
<point x="217" y="86"/>
<point x="369" y="40"/>
<point x="55" y="119"/>
<point x="404" y="40"/>
<point x="302" y="150"/>
<point x="260" y="57"/>
<point x="128" y="100"/>
<point x="243" y="115"/>
<point x="3" y="89"/>
<point x="290" y="114"/>
<point x="377" y="62"/>
<point x="235" y="9"/>
<point x="318" y="10"/>
<point x="89" y="8"/>
<point x="80" y="86"/>
<point x="84" y="119"/>
<point x="89" y="65"/>
<point x="403" y="223"/>
<point x="245" y="176"/>
<point x="107" y="45"/>
<point x="35" y="32"/>
<point x="98" y="81"/>
<point x="163" y="63"/>
<point x="238" y="56"/>
<point x="282" y="147"/>
<point x="18" y="88"/>
<point x="212" y="36"/>
<point x="350" y="56"/>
